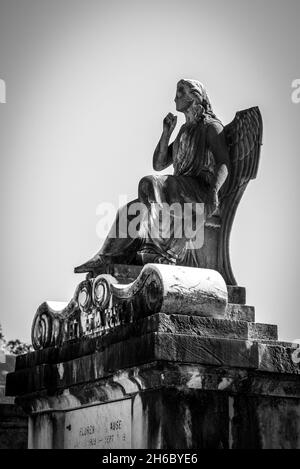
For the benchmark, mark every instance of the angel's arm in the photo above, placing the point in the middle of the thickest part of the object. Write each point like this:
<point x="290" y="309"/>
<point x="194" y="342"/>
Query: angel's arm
<point x="218" y="146"/>
<point x="163" y="157"/>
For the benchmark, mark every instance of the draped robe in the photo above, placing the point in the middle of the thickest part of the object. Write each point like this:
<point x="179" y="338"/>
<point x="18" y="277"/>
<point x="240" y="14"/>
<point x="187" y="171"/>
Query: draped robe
<point x="194" y="171"/>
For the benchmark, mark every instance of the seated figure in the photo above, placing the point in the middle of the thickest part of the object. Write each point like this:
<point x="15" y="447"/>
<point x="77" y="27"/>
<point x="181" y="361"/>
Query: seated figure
<point x="212" y="166"/>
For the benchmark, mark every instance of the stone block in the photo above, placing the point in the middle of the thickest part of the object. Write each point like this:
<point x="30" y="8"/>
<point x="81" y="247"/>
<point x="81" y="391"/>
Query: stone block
<point x="279" y="359"/>
<point x="237" y="312"/>
<point x="160" y="323"/>
<point x="170" y="406"/>
<point x="236" y="294"/>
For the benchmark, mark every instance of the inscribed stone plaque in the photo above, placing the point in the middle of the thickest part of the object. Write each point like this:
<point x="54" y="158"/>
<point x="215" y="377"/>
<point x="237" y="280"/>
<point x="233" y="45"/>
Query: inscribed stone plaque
<point x="104" y="426"/>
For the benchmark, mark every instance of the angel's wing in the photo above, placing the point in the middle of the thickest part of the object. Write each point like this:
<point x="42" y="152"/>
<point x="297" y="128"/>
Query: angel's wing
<point x="244" y="139"/>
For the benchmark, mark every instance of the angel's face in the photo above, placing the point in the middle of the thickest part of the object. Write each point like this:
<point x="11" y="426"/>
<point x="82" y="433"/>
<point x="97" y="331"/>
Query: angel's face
<point x="183" y="98"/>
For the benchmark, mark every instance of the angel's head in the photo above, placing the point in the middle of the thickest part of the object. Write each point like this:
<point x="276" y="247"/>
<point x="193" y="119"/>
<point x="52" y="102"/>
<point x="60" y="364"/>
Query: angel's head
<point x="190" y="96"/>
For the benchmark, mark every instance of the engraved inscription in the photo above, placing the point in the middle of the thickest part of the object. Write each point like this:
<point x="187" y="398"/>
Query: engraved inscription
<point x="105" y="426"/>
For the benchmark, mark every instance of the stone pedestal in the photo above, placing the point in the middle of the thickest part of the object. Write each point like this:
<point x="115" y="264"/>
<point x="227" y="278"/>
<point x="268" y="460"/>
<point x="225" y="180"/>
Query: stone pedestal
<point x="166" y="381"/>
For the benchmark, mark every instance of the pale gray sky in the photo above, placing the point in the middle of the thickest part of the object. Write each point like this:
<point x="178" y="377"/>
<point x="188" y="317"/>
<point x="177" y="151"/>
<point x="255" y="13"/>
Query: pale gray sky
<point x="88" y="84"/>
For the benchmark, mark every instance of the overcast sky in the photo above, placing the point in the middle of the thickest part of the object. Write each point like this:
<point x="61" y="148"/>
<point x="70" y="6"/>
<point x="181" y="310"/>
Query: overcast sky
<point x="88" y="84"/>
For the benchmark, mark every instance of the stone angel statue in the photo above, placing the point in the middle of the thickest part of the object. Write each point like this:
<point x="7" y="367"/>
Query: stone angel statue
<point x="212" y="166"/>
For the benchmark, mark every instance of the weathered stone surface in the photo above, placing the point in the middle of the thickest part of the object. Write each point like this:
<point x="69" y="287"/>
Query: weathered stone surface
<point x="136" y="351"/>
<point x="279" y="359"/>
<point x="154" y="346"/>
<point x="236" y="295"/>
<point x="128" y="273"/>
<point x="261" y="332"/>
<point x="161" y="323"/>
<point x="272" y="423"/>
<point x="211" y="327"/>
<point x="123" y="383"/>
<point x="101" y="304"/>
<point x="191" y="419"/>
<point x="175" y="406"/>
<point x="237" y="312"/>
<point x="176" y="289"/>
<point x="13" y="427"/>
<point x="189" y="382"/>
<point x="105" y="426"/>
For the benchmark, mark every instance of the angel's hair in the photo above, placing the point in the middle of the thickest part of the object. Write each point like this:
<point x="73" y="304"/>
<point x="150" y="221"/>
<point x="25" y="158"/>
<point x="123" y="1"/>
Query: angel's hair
<point x="202" y="101"/>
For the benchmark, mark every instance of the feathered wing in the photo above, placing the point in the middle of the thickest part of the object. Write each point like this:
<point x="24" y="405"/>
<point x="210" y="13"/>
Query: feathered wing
<point x="244" y="139"/>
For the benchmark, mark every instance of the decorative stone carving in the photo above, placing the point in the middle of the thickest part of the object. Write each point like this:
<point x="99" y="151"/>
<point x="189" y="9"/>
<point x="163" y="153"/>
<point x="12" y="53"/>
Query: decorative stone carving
<point x="100" y="304"/>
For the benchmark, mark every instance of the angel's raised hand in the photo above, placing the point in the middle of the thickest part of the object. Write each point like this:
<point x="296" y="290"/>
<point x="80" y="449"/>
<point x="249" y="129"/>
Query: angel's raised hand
<point x="169" y="123"/>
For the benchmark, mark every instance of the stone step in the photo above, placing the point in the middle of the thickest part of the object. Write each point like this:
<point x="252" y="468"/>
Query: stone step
<point x="280" y="343"/>
<point x="159" y="323"/>
<point x="152" y="347"/>
<point x="279" y="357"/>
<point x="236" y="294"/>
<point x="238" y="312"/>
<point x="263" y="332"/>
<point x="222" y="328"/>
